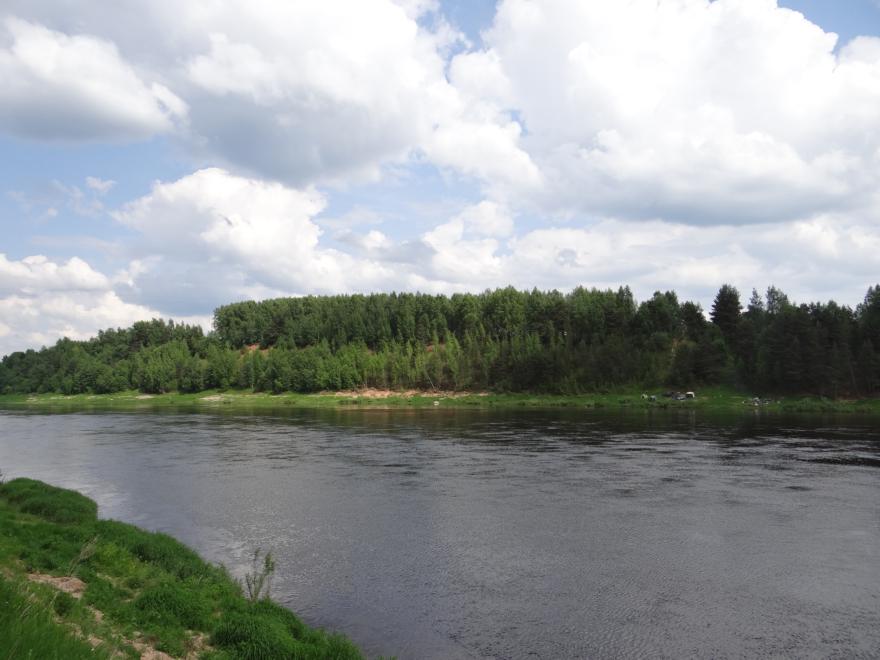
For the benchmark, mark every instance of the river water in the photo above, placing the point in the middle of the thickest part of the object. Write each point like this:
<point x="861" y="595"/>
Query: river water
<point x="473" y="534"/>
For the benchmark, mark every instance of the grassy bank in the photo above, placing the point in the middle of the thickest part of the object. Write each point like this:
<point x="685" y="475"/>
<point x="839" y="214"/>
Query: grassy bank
<point x="710" y="399"/>
<point x="74" y="586"/>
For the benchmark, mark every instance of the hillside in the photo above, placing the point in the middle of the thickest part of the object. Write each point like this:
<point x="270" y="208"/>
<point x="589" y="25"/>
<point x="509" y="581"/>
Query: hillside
<point x="587" y="340"/>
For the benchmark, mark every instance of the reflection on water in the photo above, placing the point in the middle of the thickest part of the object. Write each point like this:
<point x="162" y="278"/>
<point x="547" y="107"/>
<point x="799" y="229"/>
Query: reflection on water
<point x="473" y="534"/>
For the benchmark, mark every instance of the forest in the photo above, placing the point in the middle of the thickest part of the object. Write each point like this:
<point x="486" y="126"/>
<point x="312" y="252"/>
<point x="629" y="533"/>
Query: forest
<point x="504" y="340"/>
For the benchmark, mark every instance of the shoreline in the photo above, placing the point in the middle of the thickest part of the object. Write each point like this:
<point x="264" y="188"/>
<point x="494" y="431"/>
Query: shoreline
<point x="74" y="585"/>
<point x="711" y="399"/>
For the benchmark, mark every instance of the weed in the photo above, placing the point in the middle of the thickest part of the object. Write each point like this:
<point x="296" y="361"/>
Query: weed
<point x="258" y="583"/>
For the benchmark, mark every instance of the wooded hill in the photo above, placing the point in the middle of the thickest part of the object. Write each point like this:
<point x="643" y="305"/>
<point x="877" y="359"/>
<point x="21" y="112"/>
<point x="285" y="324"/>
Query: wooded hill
<point x="502" y="340"/>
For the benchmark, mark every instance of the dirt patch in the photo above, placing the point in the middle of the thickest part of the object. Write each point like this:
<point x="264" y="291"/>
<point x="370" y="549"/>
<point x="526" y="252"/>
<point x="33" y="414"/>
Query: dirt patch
<point x="71" y="585"/>
<point x="144" y="396"/>
<point x="213" y="397"/>
<point x="374" y="393"/>
<point x="149" y="653"/>
<point x="197" y="645"/>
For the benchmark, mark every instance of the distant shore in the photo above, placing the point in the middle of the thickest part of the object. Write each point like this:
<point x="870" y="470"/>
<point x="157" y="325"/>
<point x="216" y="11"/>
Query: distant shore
<point x="711" y="399"/>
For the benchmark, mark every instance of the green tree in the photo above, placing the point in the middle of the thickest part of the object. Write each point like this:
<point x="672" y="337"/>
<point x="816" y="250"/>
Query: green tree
<point x="725" y="314"/>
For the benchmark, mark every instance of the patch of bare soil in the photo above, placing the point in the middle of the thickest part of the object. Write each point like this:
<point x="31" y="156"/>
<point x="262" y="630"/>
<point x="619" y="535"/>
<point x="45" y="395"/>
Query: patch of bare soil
<point x="144" y="396"/>
<point x="374" y="393"/>
<point x="213" y="397"/>
<point x="71" y="585"/>
<point x="149" y="653"/>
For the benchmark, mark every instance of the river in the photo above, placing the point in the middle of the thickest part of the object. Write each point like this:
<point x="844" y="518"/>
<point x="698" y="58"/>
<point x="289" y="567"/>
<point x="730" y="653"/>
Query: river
<point x="474" y="534"/>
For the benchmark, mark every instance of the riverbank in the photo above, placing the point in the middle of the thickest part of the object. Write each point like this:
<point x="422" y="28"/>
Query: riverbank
<point x="711" y="399"/>
<point x="74" y="586"/>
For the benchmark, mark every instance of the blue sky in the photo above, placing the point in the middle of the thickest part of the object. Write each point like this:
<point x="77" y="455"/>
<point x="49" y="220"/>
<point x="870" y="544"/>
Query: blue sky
<point x="160" y="163"/>
<point x="848" y="18"/>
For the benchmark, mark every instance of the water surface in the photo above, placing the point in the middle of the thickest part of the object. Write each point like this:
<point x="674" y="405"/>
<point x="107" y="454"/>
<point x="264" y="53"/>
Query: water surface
<point x="473" y="534"/>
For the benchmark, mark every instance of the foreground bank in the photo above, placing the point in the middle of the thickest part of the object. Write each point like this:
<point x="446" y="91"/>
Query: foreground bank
<point x="73" y="586"/>
<point x="711" y="399"/>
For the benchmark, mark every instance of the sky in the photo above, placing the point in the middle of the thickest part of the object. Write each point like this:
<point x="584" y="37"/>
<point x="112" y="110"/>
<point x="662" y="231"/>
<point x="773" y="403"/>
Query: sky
<point x="161" y="158"/>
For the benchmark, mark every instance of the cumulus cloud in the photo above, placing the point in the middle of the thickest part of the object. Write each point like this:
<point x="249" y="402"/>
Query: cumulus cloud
<point x="212" y="236"/>
<point x="299" y="91"/>
<point x="37" y="273"/>
<point x="42" y="300"/>
<point x="729" y="111"/>
<point x="33" y="322"/>
<point x="695" y="111"/>
<point x="827" y="257"/>
<point x="62" y="87"/>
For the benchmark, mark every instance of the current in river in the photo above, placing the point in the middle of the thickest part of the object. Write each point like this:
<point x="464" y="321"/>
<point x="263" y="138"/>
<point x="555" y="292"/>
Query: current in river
<point x="481" y="534"/>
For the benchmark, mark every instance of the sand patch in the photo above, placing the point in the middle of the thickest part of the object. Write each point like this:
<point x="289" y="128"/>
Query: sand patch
<point x="374" y="393"/>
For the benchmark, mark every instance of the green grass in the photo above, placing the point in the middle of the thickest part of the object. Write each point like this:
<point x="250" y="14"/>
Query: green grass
<point x="149" y="588"/>
<point x="719" y="399"/>
<point x="58" y="505"/>
<point x="28" y="629"/>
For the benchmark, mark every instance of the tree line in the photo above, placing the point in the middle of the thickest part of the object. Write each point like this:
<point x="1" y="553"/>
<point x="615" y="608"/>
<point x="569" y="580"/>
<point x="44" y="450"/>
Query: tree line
<point x="503" y="340"/>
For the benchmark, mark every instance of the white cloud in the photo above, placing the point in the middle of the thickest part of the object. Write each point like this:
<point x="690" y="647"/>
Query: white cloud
<point x="36" y="321"/>
<point x="42" y="300"/>
<point x="38" y="274"/>
<point x="485" y="150"/>
<point x="303" y="91"/>
<point x="487" y="218"/>
<point x="730" y="111"/>
<point x="297" y="91"/>
<point x="212" y="236"/>
<point x="62" y="87"/>
<point x="101" y="186"/>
